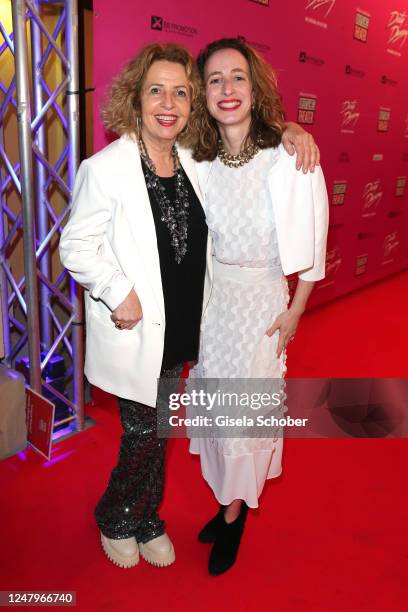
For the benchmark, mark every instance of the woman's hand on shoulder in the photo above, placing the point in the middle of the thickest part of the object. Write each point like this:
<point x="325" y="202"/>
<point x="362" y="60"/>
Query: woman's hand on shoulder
<point x="296" y="139"/>
<point x="128" y="313"/>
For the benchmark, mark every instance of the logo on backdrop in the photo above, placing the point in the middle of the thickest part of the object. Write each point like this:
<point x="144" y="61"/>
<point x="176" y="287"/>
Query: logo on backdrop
<point x="264" y="48"/>
<point x="156" y="23"/>
<point x="306" y="108"/>
<point x="394" y="213"/>
<point x="161" y="25"/>
<point x="354" y="71"/>
<point x="344" y="157"/>
<point x="333" y="263"/>
<point x="361" y="23"/>
<point x="339" y="193"/>
<point x="350" y="115"/>
<point x="262" y="2"/>
<point x="304" y="57"/>
<point x="361" y="264"/>
<point x="390" y="247"/>
<point x="400" y="186"/>
<point x="383" y="119"/>
<point x="398" y="32"/>
<point x="387" y="81"/>
<point x="364" y="235"/>
<point x="320" y="9"/>
<point x="372" y="195"/>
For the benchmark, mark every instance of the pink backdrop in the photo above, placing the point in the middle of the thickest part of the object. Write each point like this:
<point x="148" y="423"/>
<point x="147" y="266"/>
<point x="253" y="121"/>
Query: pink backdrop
<point x="342" y="70"/>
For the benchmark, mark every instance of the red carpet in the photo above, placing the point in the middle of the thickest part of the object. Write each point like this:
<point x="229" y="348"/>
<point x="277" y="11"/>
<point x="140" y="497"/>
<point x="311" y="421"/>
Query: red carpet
<point x="331" y="533"/>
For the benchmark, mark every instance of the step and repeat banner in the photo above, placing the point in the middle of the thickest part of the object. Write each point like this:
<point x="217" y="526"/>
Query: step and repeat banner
<point x="342" y="68"/>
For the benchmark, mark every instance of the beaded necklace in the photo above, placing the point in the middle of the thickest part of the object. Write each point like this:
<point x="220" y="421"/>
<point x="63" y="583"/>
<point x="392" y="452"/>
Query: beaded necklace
<point x="174" y="214"/>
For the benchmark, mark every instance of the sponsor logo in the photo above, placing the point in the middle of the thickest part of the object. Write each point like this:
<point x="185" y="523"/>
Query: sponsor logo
<point x="320" y="9"/>
<point x="344" y="157"/>
<point x="387" y="81"/>
<point x="316" y="61"/>
<point x="400" y="186"/>
<point x="353" y="71"/>
<point x="339" y="193"/>
<point x="378" y="156"/>
<point x="390" y="247"/>
<point x="383" y="119"/>
<point x="306" y="108"/>
<point x="361" y="264"/>
<point x="372" y="195"/>
<point x="156" y="23"/>
<point x="364" y="235"/>
<point x="263" y="47"/>
<point x="350" y="115"/>
<point x="261" y="2"/>
<point x="333" y="261"/>
<point x="162" y="25"/>
<point x="321" y="6"/>
<point x="361" y="23"/>
<point x="398" y="31"/>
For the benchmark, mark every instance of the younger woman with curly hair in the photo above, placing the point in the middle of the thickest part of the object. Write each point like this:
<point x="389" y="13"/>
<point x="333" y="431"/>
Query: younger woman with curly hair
<point x="266" y="220"/>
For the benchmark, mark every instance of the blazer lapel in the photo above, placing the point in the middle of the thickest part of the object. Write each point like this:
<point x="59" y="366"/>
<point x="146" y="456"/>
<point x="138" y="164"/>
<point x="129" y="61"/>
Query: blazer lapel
<point x="189" y="166"/>
<point x="138" y="210"/>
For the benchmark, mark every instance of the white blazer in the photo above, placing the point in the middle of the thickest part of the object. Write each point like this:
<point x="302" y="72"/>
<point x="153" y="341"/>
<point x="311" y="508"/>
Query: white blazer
<point x="109" y="246"/>
<point x="301" y="212"/>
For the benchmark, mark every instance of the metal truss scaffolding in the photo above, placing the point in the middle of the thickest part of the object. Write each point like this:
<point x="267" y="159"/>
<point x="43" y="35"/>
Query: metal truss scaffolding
<point x="42" y="306"/>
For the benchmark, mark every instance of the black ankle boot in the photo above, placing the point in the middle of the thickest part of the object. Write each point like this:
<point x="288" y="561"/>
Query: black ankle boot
<point x="225" y="550"/>
<point x="208" y="534"/>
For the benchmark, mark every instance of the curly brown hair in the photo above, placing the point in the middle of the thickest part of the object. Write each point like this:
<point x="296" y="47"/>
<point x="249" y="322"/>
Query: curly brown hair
<point x="268" y="115"/>
<point x="121" y="110"/>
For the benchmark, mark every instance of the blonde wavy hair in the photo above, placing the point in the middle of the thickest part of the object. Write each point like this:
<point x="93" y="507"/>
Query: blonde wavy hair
<point x="121" y="110"/>
<point x="268" y="115"/>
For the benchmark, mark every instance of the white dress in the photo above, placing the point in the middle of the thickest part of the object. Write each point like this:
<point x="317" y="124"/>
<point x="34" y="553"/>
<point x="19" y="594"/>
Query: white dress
<point x="249" y="291"/>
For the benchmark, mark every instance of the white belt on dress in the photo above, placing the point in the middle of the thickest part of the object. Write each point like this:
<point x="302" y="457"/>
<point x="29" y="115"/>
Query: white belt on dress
<point x="243" y="274"/>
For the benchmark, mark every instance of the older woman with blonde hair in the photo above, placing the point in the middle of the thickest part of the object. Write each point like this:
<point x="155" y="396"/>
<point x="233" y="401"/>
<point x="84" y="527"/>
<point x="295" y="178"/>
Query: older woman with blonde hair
<point x="136" y="240"/>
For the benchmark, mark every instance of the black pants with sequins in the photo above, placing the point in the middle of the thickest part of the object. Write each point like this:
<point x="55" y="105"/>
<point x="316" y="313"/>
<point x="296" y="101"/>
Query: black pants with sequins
<point x="129" y="505"/>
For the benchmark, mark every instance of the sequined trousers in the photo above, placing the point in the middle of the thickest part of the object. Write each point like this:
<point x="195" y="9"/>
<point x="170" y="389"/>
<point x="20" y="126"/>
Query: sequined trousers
<point x="135" y="489"/>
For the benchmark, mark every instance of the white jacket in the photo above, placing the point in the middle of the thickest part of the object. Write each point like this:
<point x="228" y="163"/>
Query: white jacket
<point x="109" y="246"/>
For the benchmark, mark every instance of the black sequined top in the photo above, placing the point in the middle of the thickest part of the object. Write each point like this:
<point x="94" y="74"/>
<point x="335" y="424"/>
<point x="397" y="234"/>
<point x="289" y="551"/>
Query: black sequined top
<point x="182" y="283"/>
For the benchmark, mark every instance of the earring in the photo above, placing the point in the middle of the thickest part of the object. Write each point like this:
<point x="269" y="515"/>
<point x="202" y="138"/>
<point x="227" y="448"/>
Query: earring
<point x="253" y="105"/>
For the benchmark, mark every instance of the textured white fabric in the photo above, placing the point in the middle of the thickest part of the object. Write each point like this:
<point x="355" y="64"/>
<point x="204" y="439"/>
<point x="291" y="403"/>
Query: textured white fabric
<point x="301" y="211"/>
<point x="248" y="293"/>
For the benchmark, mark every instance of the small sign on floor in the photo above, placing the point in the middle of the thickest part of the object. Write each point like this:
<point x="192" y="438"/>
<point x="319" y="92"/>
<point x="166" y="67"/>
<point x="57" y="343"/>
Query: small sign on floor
<point x="40" y="422"/>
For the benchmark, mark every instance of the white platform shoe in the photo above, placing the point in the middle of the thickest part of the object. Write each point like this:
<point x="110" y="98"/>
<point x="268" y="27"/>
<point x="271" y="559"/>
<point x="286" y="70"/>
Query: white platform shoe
<point x="159" y="551"/>
<point x="124" y="553"/>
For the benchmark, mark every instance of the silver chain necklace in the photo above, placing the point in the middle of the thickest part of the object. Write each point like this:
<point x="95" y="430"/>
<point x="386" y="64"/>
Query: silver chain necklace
<point x="173" y="214"/>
